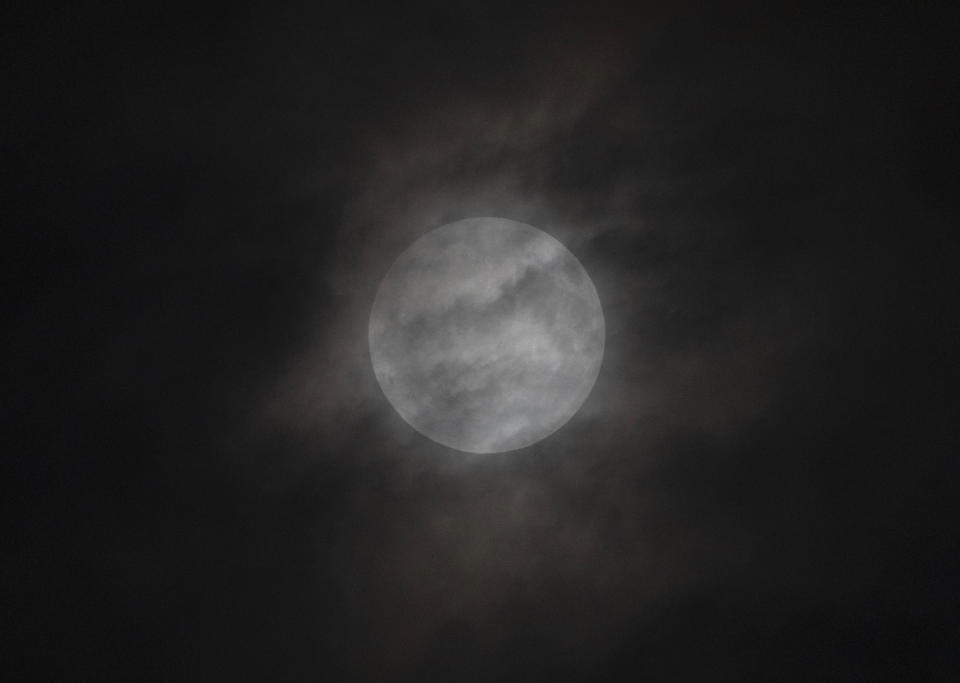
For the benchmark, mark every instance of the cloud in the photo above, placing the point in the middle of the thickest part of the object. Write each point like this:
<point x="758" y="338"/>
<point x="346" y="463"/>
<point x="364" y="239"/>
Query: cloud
<point x="446" y="159"/>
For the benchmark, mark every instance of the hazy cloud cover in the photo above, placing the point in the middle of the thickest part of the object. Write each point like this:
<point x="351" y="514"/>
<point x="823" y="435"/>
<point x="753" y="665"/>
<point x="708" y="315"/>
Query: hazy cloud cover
<point x="208" y="483"/>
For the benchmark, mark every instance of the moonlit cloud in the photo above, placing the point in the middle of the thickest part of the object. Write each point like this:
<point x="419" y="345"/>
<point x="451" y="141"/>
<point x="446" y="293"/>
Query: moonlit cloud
<point x="208" y="481"/>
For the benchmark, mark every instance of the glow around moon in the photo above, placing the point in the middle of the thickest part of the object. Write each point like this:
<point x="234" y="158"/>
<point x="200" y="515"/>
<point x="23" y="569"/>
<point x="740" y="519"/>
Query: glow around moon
<point x="486" y="335"/>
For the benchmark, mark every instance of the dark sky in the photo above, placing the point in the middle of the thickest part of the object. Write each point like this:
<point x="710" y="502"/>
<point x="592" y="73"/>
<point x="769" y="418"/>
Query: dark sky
<point x="206" y="483"/>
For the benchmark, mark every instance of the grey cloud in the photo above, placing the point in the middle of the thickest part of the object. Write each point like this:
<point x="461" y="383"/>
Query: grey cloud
<point x="761" y="480"/>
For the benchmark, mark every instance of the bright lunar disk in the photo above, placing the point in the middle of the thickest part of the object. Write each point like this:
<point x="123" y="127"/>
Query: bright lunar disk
<point x="486" y="335"/>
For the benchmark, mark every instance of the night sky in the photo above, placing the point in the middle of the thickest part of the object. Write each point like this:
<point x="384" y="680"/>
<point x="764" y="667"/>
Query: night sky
<point x="205" y="481"/>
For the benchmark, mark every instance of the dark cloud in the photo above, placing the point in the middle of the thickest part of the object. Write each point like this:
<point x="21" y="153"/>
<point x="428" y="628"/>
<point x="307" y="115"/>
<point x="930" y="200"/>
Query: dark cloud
<point x="206" y="482"/>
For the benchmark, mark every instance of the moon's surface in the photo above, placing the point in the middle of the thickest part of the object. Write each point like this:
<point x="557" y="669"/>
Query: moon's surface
<point x="486" y="335"/>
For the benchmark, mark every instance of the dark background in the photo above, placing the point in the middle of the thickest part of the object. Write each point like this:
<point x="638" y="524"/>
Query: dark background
<point x="204" y="481"/>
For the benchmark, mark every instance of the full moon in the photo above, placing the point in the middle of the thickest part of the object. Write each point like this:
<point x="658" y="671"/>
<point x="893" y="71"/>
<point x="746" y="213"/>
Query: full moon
<point x="486" y="335"/>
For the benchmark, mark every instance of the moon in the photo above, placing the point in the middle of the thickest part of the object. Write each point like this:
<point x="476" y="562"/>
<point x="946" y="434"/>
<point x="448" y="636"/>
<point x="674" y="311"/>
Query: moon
<point x="486" y="335"/>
